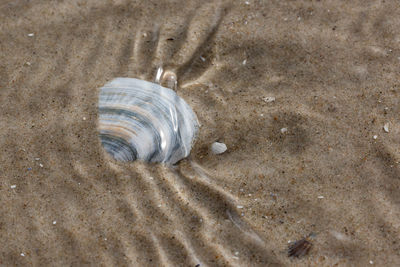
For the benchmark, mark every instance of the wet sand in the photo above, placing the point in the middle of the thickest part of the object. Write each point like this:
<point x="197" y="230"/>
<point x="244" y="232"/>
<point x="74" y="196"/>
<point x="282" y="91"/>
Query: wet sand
<point x="315" y="160"/>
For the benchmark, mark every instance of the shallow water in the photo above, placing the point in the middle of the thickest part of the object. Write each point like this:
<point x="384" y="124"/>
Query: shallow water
<point x="333" y="71"/>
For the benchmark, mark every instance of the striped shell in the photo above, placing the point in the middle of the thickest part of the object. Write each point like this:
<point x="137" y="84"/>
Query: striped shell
<point x="143" y="120"/>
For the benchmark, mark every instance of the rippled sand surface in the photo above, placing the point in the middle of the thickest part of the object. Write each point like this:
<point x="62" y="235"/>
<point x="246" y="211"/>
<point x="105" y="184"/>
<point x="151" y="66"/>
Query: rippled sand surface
<point x="333" y="68"/>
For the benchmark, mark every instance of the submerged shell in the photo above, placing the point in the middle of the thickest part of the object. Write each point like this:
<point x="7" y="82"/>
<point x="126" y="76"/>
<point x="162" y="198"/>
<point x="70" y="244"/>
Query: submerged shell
<point x="143" y="120"/>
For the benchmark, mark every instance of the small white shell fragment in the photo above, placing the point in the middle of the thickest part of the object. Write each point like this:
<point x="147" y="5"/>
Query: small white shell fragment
<point x="375" y="136"/>
<point x="54" y="222"/>
<point x="386" y="127"/>
<point x="218" y="148"/>
<point x="244" y="62"/>
<point x="283" y="130"/>
<point x="239" y="206"/>
<point x="371" y="262"/>
<point x="269" y="99"/>
<point x="41" y="165"/>
<point x="31" y="34"/>
<point x="320" y="196"/>
<point x="202" y="58"/>
<point x="22" y="254"/>
<point x="13" y="186"/>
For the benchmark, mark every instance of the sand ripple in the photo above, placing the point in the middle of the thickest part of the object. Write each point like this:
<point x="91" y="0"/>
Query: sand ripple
<point x="332" y="70"/>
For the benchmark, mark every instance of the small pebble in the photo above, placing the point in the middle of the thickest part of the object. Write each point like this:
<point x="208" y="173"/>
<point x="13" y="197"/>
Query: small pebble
<point x="29" y="169"/>
<point x="386" y="127"/>
<point x="31" y="34"/>
<point x="37" y="158"/>
<point x="54" y="222"/>
<point x="22" y="254"/>
<point x="375" y="136"/>
<point x="283" y="130"/>
<point x="236" y="253"/>
<point x="320" y="196"/>
<point x="244" y="62"/>
<point x="269" y="99"/>
<point x="239" y="207"/>
<point x="202" y="59"/>
<point x="41" y="165"/>
<point x="371" y="262"/>
<point x="84" y="118"/>
<point x="247" y="3"/>
<point x="218" y="148"/>
<point x="13" y="186"/>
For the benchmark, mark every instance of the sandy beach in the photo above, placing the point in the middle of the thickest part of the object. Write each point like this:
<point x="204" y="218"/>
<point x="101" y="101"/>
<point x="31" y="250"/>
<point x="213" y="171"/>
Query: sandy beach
<point x="305" y="95"/>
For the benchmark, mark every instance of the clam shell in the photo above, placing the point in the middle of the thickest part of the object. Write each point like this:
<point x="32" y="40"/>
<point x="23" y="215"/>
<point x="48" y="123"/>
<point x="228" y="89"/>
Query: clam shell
<point x="143" y="120"/>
